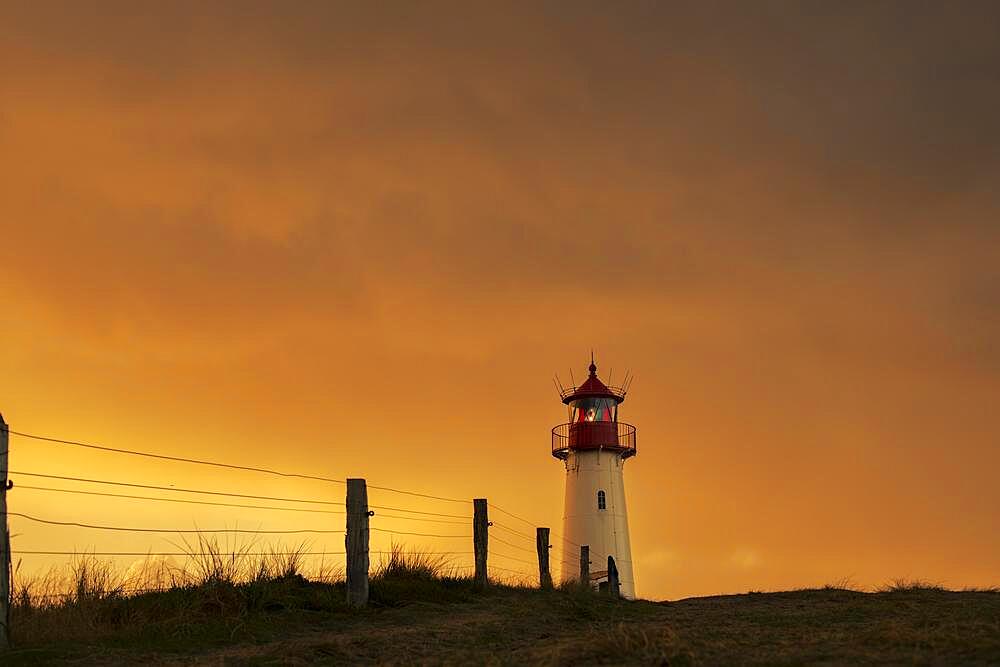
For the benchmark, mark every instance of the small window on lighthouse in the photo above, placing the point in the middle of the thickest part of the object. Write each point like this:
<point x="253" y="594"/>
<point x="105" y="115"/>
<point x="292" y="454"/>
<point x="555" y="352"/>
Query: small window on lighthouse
<point x="602" y="503"/>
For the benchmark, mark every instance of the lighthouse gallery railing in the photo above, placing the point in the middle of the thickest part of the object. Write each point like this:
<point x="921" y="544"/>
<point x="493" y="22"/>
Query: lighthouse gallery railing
<point x="614" y="436"/>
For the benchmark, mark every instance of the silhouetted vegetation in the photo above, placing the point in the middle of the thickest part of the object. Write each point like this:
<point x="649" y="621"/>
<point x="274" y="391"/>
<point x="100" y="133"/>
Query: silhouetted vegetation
<point x="236" y="607"/>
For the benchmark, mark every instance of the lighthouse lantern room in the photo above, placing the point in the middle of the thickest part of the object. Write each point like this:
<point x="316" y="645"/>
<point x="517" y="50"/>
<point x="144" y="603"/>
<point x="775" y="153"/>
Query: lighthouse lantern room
<point x="594" y="446"/>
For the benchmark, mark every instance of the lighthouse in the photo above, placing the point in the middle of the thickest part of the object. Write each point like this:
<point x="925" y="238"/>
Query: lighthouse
<point x="594" y="446"/>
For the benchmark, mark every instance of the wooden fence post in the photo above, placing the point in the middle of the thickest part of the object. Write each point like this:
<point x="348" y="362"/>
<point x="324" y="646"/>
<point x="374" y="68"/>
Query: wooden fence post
<point x="480" y="539"/>
<point x="4" y="541"/>
<point x="614" y="587"/>
<point x="542" y="545"/>
<point x="585" y="566"/>
<point x="356" y="542"/>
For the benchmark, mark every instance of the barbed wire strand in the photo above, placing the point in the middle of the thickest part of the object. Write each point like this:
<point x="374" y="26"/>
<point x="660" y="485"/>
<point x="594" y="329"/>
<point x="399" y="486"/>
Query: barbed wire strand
<point x="215" y="493"/>
<point x="114" y="593"/>
<point x="513" y="546"/>
<point x="515" y="532"/>
<point x="533" y="525"/>
<point x="401" y="509"/>
<point x="179" y="553"/>
<point x="502" y="569"/>
<point x="269" y="471"/>
<point x="418" y="495"/>
<point x="426" y="553"/>
<point x="180" y="500"/>
<point x="519" y="560"/>
<point x="141" y="591"/>
<point x="399" y="532"/>
<point x="418" y="518"/>
<point x="566" y="540"/>
<point x="505" y="569"/>
<point x="500" y="509"/>
<point x="180" y="459"/>
<point x="240" y="553"/>
<point x="221" y="530"/>
<point x="173" y="530"/>
<point x="231" y="466"/>
<point x="173" y="488"/>
<point x="206" y="502"/>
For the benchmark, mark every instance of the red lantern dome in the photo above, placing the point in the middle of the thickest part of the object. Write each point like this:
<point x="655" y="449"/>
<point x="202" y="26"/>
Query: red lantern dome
<point x="593" y="419"/>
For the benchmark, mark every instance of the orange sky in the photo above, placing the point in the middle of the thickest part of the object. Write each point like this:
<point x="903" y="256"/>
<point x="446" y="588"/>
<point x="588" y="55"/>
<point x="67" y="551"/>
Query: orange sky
<point x="359" y="243"/>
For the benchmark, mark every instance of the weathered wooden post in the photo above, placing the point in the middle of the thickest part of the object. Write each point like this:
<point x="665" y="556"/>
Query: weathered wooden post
<point x="4" y="541"/>
<point x="356" y="542"/>
<point x="542" y="545"/>
<point x="614" y="586"/>
<point x="585" y="566"/>
<point x="480" y="540"/>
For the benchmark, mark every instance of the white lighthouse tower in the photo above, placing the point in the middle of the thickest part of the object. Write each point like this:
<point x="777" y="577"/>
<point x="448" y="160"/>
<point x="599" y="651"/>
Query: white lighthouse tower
<point x="594" y="446"/>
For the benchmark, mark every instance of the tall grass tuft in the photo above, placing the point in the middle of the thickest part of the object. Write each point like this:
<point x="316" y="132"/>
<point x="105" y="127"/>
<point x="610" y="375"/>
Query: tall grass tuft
<point x="212" y="563"/>
<point x="403" y="576"/>
<point x="842" y="584"/>
<point x="902" y="585"/>
<point x="399" y="563"/>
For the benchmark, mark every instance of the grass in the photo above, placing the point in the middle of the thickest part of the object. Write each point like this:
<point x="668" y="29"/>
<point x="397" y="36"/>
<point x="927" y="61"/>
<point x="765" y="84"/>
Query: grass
<point x="233" y="607"/>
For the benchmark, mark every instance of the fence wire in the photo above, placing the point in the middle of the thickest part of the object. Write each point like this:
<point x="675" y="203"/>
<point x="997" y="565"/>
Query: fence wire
<point x="406" y="513"/>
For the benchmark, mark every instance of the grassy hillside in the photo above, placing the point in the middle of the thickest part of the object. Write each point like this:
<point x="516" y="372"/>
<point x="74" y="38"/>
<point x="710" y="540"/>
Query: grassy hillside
<point x="420" y="615"/>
